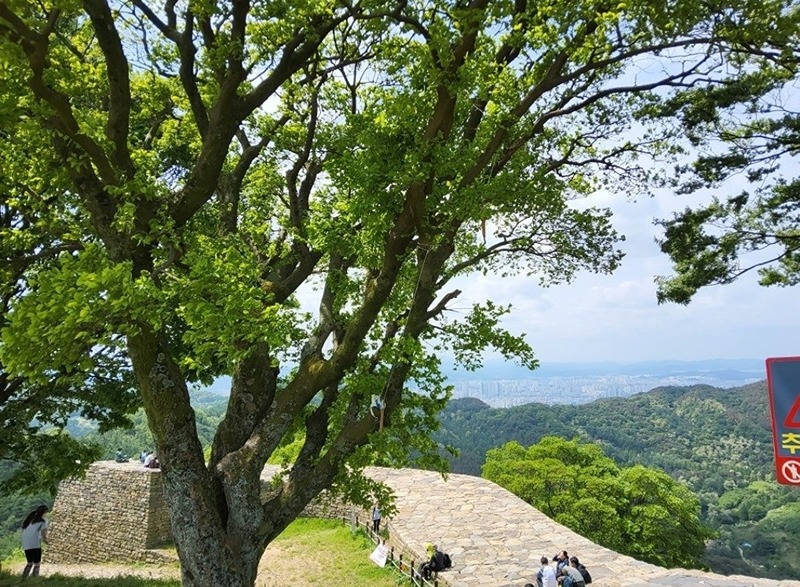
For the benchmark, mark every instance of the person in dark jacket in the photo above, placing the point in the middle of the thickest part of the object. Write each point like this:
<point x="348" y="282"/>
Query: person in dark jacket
<point x="574" y="562"/>
<point x="435" y="563"/>
<point x="562" y="560"/>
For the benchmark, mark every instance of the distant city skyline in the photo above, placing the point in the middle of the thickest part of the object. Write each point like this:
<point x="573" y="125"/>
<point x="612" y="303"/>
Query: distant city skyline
<point x="501" y="385"/>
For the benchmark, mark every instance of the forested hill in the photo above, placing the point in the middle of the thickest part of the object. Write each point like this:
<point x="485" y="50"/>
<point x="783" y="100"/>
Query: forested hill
<point x="718" y="441"/>
<point x="679" y="429"/>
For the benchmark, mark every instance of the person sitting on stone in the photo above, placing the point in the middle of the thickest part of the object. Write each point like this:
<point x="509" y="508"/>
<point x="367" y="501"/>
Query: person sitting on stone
<point x="574" y="562"/>
<point x="151" y="461"/>
<point x="434" y="564"/>
<point x="561" y="559"/>
<point x="570" y="577"/>
<point x="546" y="577"/>
<point x="119" y="457"/>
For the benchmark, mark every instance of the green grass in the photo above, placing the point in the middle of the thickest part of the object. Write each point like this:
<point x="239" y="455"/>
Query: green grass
<point x="337" y="556"/>
<point x="310" y="552"/>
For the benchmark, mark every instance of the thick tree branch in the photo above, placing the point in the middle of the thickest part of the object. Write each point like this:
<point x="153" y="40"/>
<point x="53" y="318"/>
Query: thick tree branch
<point x="36" y="48"/>
<point x="119" y="88"/>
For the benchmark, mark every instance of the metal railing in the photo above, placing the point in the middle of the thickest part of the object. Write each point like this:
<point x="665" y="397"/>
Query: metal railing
<point x="402" y="561"/>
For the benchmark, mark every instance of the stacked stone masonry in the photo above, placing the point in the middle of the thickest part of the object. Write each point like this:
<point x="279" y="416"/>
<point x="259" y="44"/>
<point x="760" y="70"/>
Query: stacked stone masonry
<point x="496" y="539"/>
<point x="118" y="512"/>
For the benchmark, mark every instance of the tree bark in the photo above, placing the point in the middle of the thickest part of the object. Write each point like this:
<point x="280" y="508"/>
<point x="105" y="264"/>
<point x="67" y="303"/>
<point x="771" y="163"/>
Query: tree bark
<point x="212" y="553"/>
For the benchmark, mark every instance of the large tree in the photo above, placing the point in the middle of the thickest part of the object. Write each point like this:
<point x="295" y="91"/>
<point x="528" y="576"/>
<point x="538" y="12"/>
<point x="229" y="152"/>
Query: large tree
<point x="179" y="179"/>
<point x="637" y="510"/>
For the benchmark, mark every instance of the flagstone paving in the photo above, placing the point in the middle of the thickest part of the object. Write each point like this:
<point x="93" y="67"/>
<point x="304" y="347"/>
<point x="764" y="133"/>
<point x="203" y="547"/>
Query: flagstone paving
<point x="496" y="539"/>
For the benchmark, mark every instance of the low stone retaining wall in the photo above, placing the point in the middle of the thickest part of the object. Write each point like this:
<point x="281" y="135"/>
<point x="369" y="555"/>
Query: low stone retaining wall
<point x="494" y="537"/>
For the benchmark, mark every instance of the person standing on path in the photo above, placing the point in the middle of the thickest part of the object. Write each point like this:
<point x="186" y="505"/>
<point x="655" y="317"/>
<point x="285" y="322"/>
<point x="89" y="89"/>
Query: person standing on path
<point x="34" y="531"/>
<point x="376" y="517"/>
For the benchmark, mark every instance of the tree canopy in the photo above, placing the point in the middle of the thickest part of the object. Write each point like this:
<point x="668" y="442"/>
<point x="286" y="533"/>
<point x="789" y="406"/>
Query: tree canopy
<point x="179" y="179"/>
<point x="748" y="133"/>
<point x="637" y="511"/>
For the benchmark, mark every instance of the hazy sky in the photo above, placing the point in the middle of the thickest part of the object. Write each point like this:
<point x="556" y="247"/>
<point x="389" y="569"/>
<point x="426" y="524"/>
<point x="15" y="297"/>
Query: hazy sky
<point x="616" y="317"/>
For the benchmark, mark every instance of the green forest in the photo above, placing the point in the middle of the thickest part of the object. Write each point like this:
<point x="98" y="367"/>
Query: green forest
<point x="716" y="441"/>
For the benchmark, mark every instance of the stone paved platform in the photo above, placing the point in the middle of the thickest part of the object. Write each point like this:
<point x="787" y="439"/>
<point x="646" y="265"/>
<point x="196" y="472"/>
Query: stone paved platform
<point x="496" y="539"/>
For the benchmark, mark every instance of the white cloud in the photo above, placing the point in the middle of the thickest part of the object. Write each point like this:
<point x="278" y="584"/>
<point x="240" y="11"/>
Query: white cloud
<point x="617" y="318"/>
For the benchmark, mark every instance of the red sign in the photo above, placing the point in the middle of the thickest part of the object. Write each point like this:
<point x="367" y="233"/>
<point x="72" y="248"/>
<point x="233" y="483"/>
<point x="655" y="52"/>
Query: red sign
<point x="783" y="381"/>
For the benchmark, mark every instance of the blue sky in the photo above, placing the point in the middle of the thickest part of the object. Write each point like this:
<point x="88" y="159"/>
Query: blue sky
<point x="616" y="317"/>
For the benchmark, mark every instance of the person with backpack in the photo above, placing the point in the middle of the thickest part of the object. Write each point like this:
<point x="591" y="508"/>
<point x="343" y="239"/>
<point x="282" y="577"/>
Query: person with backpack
<point x="574" y="562"/>
<point x="437" y="562"/>
<point x="34" y="532"/>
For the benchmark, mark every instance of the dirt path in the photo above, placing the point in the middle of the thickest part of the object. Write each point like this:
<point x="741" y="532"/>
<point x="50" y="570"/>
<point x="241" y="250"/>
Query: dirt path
<point x="105" y="571"/>
<point x="278" y="568"/>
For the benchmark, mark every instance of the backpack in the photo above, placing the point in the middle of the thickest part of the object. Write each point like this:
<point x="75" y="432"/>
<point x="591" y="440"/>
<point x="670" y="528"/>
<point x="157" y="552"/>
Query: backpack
<point x="448" y="562"/>
<point x="587" y="578"/>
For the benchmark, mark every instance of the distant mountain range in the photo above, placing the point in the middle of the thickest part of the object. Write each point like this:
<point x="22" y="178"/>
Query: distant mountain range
<point x="500" y="369"/>
<point x="503" y="384"/>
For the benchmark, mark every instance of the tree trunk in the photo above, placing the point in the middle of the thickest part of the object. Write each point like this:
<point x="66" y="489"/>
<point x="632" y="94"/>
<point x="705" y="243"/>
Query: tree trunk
<point x="213" y="551"/>
<point x="208" y="558"/>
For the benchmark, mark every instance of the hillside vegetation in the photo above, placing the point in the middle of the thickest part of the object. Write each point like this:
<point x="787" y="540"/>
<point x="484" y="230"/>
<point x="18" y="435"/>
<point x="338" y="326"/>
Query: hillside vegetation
<point x="717" y="441"/>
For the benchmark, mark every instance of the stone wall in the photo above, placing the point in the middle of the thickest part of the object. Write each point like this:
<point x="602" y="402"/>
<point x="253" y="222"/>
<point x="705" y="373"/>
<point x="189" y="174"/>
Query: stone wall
<point x="118" y="512"/>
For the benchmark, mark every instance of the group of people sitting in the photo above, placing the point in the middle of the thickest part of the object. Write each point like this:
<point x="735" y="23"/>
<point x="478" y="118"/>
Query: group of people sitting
<point x="147" y="458"/>
<point x="567" y="572"/>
